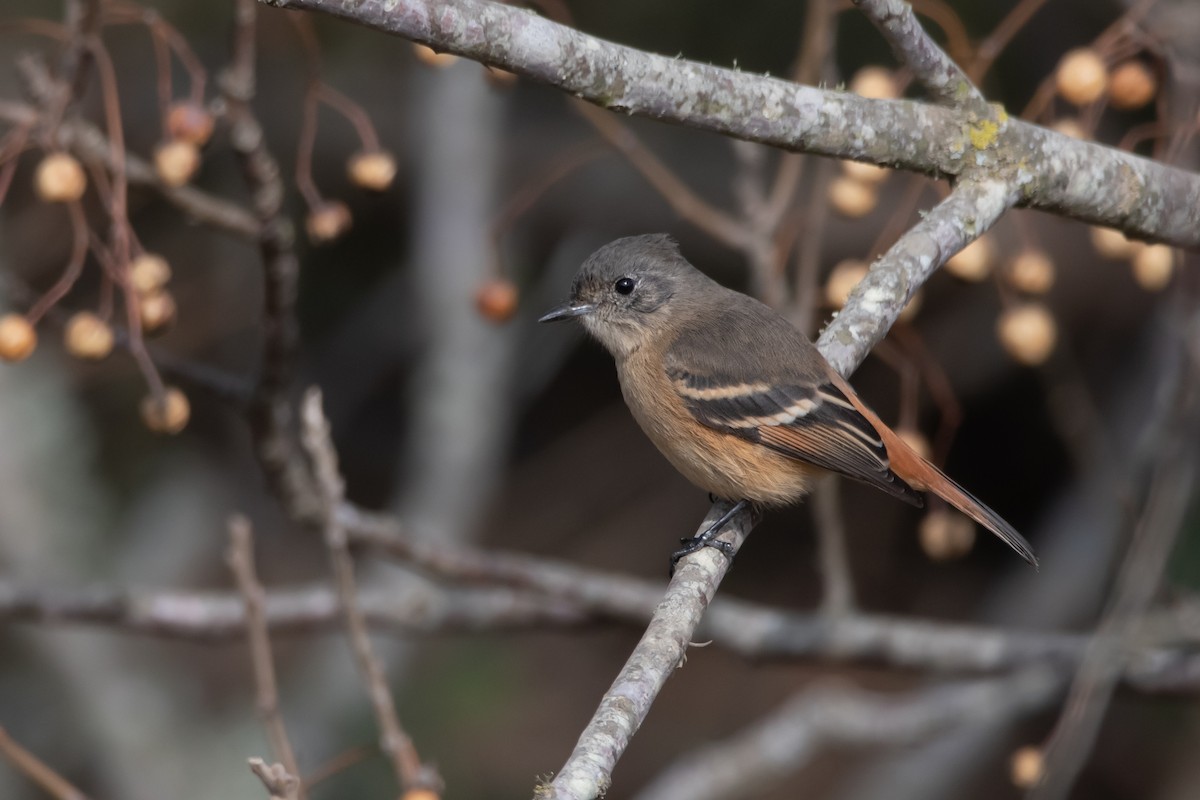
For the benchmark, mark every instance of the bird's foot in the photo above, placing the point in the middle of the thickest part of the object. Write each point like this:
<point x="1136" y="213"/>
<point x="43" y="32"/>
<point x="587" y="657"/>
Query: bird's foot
<point x="708" y="538"/>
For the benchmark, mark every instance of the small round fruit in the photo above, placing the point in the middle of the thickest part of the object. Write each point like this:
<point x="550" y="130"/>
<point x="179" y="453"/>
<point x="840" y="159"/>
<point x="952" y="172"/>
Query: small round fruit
<point x="1069" y="126"/>
<point x="974" y="262"/>
<point x="372" y="169"/>
<point x="842" y="280"/>
<point x="1031" y="272"/>
<point x="18" y="339"/>
<point x="157" y="311"/>
<point x="176" y="161"/>
<point x="1131" y="86"/>
<point x="1082" y="77"/>
<point x="189" y="122"/>
<point x="499" y="78"/>
<point x="167" y="413"/>
<point x="877" y="83"/>
<point x="496" y="300"/>
<point x="327" y="222"/>
<point x="916" y="440"/>
<point x="1111" y="243"/>
<point x="60" y="178"/>
<point x="1028" y="333"/>
<point x="852" y="198"/>
<point x="88" y="337"/>
<point x="431" y="58"/>
<point x="420" y="794"/>
<point x="148" y="273"/>
<point x="865" y="173"/>
<point x="1026" y="767"/>
<point x="946" y="535"/>
<point x="1153" y="267"/>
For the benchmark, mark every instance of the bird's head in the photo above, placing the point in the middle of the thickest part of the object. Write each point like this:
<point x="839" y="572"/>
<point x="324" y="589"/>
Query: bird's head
<point x="627" y="291"/>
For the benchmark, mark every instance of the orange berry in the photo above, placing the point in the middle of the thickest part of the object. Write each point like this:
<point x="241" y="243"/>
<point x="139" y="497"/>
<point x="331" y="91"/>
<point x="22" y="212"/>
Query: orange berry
<point x="372" y="169"/>
<point x="176" y="161"/>
<point x="189" y="122"/>
<point x="1069" y="126"/>
<point x="864" y="173"/>
<point x="88" y="337"/>
<point x="18" y="339"/>
<point x="878" y="83"/>
<point x="148" y="273"/>
<point x="946" y="535"/>
<point x="1111" y="243"/>
<point x="496" y="300"/>
<point x="1031" y="272"/>
<point x="420" y="794"/>
<point x="157" y="310"/>
<point x="852" y="198"/>
<point x="1028" y="333"/>
<point x="167" y="413"/>
<point x="974" y="262"/>
<point x="1082" y="77"/>
<point x="431" y="58"/>
<point x="1153" y="267"/>
<point x="841" y="281"/>
<point x="60" y="178"/>
<point x="327" y="222"/>
<point x="1026" y="767"/>
<point x="916" y="440"/>
<point x="1131" y="86"/>
<point x="499" y="78"/>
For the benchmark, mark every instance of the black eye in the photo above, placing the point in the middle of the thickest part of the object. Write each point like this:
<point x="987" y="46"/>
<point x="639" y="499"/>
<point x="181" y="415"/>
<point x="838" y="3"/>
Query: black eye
<point x="624" y="285"/>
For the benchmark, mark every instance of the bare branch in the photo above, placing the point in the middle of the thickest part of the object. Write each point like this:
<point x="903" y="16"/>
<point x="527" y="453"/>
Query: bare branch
<point x="914" y="48"/>
<point x="660" y="652"/>
<point x="395" y="743"/>
<point x="240" y="558"/>
<point x="37" y="770"/>
<point x="876" y="303"/>
<point x="781" y="743"/>
<point x="838" y="597"/>
<point x="279" y="782"/>
<point x="1083" y="180"/>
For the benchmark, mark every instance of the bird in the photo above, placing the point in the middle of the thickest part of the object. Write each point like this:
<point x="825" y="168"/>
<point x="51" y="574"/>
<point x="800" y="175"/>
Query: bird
<point x="735" y="396"/>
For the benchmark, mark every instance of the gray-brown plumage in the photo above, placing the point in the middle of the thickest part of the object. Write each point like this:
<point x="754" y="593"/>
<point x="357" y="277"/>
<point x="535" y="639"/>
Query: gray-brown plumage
<point x="737" y="398"/>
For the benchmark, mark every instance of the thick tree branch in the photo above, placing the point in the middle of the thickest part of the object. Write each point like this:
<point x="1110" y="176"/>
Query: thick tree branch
<point x="1083" y="180"/>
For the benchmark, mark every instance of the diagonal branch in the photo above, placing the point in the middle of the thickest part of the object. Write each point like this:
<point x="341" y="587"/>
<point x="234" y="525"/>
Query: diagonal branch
<point x="914" y="48"/>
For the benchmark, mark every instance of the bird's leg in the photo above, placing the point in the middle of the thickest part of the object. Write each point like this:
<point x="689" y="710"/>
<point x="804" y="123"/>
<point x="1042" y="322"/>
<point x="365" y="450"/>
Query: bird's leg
<point x="707" y="537"/>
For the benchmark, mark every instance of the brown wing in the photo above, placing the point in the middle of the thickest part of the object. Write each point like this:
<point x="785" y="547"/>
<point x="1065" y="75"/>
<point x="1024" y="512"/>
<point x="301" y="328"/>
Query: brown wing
<point x="816" y="424"/>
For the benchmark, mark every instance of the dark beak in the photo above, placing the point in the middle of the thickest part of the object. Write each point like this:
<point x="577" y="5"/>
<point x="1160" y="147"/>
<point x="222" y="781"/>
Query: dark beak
<point x="571" y="308"/>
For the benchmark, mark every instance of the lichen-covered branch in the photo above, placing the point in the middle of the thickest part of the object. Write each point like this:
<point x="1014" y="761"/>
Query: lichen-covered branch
<point x="972" y="208"/>
<point x="913" y="47"/>
<point x="1083" y="180"/>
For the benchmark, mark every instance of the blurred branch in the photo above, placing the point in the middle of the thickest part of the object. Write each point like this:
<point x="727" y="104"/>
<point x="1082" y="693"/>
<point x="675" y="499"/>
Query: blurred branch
<point x="281" y="783"/>
<point x="1171" y="447"/>
<point x="272" y="418"/>
<point x="1082" y="180"/>
<point x="393" y="740"/>
<point x="38" y="771"/>
<point x="240" y="558"/>
<point x="780" y="744"/>
<point x="838" y="597"/>
<point x="587" y="772"/>
<point x="915" y="49"/>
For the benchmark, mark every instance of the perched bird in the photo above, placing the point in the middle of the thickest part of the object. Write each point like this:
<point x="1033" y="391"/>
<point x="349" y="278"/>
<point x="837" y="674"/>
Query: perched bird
<point x="734" y="395"/>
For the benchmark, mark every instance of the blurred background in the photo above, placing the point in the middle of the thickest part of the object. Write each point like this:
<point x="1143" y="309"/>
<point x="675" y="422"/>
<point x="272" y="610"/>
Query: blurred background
<point x="1033" y="382"/>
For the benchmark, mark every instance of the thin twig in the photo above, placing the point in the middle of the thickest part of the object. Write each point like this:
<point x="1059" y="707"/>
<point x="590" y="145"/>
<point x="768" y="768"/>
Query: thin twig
<point x="395" y="743"/>
<point x="838" y="597"/>
<point x="240" y="557"/>
<point x="37" y="770"/>
<point x="279" y="782"/>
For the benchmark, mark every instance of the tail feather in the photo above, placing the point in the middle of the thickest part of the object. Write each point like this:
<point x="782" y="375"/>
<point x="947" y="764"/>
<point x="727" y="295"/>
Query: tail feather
<point x="918" y="472"/>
